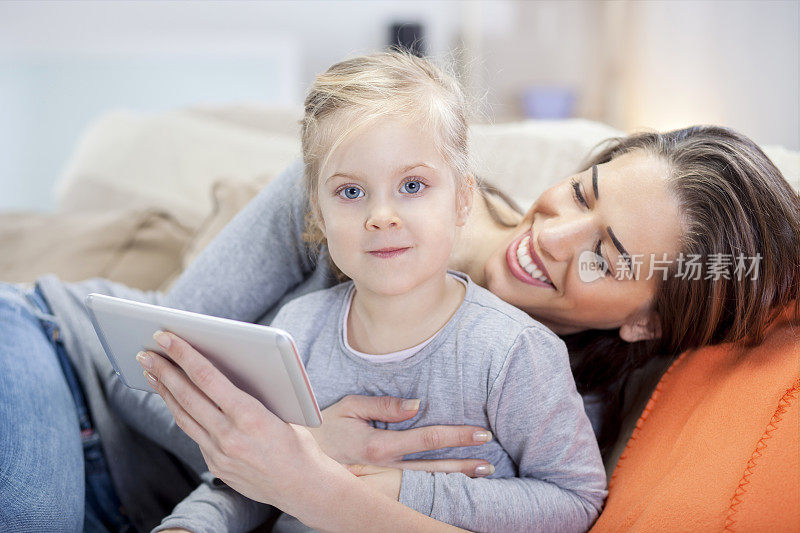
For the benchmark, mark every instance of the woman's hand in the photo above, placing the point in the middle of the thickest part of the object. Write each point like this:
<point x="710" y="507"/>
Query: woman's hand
<point x="243" y="443"/>
<point x="347" y="436"/>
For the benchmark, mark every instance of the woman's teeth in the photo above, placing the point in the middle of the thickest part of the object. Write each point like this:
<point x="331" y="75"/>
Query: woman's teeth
<point x="526" y="262"/>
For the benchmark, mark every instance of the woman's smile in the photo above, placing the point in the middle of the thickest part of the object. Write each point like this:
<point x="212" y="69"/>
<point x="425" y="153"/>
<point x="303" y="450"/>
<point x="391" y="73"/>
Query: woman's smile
<point x="525" y="264"/>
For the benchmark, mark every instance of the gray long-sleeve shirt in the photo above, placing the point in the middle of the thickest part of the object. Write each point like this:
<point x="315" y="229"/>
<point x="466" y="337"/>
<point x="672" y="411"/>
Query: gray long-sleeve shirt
<point x="491" y="365"/>
<point x="255" y="265"/>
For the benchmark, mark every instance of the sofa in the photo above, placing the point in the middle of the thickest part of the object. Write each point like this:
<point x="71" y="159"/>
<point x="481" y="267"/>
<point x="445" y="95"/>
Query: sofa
<point x="143" y="194"/>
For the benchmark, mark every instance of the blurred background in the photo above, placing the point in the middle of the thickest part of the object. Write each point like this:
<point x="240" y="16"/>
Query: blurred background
<point x="630" y="64"/>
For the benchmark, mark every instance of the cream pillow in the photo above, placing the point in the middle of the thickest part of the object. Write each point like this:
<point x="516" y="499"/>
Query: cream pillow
<point x="228" y="198"/>
<point x="167" y="160"/>
<point x="524" y="158"/>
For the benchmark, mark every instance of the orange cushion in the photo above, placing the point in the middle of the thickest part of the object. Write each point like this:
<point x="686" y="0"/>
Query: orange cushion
<point x="716" y="448"/>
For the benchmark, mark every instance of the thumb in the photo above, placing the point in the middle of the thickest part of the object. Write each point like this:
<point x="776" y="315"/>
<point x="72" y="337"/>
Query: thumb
<point x="380" y="408"/>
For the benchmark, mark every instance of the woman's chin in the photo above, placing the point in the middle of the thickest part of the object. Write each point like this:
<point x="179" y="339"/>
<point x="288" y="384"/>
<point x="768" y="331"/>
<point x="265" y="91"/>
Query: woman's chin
<point x="537" y="301"/>
<point x="504" y="288"/>
<point x="502" y="282"/>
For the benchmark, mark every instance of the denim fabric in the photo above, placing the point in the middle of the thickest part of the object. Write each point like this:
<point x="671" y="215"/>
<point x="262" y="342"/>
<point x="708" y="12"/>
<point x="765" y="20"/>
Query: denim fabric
<point x="53" y="476"/>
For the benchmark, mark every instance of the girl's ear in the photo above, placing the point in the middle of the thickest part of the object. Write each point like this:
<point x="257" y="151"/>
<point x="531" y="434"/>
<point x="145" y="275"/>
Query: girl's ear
<point x="464" y="200"/>
<point x="643" y="326"/>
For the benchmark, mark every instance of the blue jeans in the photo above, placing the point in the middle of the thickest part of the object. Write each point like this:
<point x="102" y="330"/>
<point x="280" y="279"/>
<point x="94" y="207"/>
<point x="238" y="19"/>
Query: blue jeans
<point x="53" y="474"/>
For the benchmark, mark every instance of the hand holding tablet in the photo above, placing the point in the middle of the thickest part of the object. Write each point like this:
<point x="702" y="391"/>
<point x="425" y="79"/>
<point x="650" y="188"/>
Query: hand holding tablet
<point x="260" y="360"/>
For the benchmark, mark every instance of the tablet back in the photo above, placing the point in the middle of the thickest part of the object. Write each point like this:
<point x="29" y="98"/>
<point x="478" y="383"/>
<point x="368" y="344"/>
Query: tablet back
<point x="260" y="360"/>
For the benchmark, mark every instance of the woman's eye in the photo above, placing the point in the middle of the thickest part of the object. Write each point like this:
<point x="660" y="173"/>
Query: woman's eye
<point x="576" y="192"/>
<point x="604" y="263"/>
<point x="351" y="193"/>
<point x="413" y="187"/>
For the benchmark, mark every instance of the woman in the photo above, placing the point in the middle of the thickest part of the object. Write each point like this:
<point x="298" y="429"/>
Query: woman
<point x="699" y="191"/>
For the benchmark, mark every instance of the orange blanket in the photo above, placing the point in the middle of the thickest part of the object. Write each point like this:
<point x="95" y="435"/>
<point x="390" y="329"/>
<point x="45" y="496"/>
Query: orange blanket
<point x="716" y="448"/>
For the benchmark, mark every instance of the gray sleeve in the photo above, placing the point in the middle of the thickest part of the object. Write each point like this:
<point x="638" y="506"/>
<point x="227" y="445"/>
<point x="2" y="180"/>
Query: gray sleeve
<point x="537" y="416"/>
<point x="212" y="509"/>
<point x="255" y="260"/>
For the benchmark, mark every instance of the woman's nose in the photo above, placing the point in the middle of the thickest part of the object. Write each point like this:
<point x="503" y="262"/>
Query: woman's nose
<point x="563" y="236"/>
<point x="382" y="215"/>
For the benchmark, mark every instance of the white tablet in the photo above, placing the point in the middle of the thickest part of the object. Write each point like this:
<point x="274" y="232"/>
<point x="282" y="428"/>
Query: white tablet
<point x="260" y="360"/>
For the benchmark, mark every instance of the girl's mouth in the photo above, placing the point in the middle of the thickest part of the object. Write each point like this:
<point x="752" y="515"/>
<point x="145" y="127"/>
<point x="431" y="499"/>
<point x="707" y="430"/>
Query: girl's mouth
<point x="525" y="265"/>
<point x="386" y="253"/>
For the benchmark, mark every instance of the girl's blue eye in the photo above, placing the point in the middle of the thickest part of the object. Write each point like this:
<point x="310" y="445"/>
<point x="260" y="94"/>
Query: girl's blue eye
<point x="413" y="186"/>
<point x="351" y="193"/>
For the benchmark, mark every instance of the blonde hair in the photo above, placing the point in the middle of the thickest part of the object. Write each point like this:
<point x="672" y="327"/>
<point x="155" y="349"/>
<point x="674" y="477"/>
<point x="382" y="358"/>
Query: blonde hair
<point x="363" y="89"/>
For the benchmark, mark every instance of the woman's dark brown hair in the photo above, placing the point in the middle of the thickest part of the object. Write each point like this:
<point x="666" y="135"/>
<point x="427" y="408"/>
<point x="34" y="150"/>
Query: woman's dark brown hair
<point x="734" y="204"/>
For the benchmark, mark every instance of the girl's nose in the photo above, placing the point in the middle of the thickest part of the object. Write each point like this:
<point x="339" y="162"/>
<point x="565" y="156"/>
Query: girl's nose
<point x="561" y="237"/>
<point x="382" y="216"/>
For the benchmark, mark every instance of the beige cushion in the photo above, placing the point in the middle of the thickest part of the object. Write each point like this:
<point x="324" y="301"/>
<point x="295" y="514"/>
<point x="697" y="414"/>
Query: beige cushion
<point x="228" y="198"/>
<point x="525" y="158"/>
<point x="139" y="248"/>
<point x="167" y="160"/>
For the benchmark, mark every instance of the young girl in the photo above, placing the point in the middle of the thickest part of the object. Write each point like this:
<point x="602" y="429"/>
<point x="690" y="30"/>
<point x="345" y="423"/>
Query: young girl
<point x="386" y="168"/>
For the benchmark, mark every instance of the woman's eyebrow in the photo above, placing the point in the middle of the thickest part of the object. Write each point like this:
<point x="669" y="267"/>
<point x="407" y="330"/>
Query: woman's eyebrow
<point x="618" y="245"/>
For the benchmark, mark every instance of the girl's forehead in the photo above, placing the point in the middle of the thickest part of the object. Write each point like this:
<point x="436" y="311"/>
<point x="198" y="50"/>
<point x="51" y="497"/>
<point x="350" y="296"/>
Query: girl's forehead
<point x="383" y="144"/>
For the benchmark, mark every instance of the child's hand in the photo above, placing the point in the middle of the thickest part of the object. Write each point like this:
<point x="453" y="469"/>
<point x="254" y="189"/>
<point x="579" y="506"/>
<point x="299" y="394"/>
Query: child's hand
<point x="380" y="478"/>
<point x="347" y="436"/>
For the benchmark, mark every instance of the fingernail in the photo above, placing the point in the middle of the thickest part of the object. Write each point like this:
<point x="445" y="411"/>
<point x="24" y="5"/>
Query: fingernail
<point x="146" y="360"/>
<point x="484" y="470"/>
<point x="162" y="339"/>
<point x="410" y="405"/>
<point x="482" y="436"/>
<point x="150" y="377"/>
